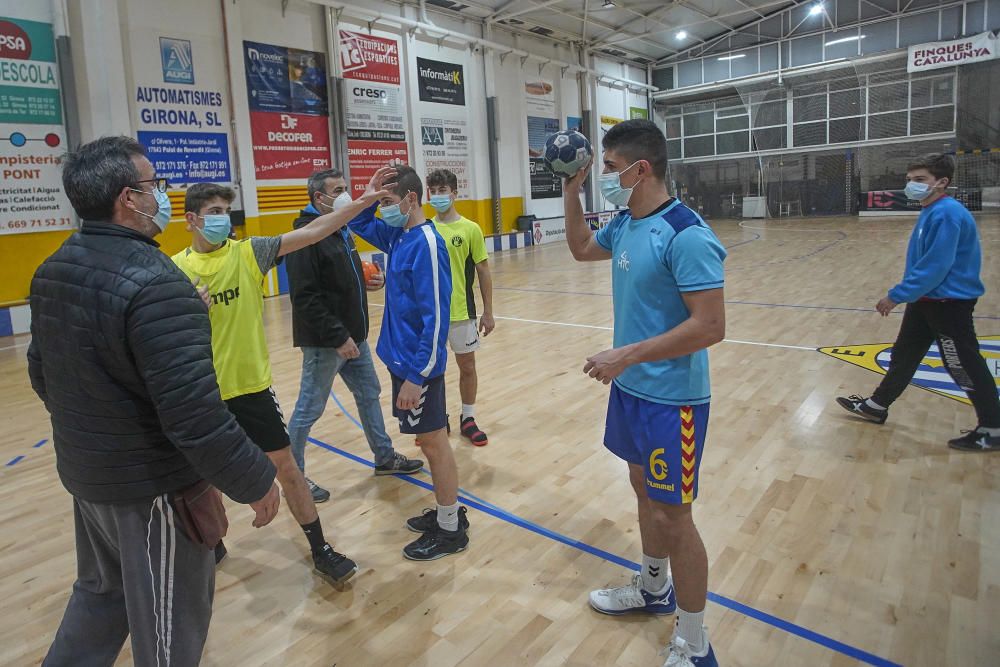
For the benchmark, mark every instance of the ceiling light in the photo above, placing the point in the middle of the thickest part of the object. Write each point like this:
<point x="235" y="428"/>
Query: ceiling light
<point x="681" y="34"/>
<point x="738" y="55"/>
<point x="844" y="40"/>
<point x="816" y="9"/>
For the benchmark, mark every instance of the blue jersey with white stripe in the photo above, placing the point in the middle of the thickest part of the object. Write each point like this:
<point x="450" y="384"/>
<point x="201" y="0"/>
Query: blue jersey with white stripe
<point x="417" y="297"/>
<point x="654" y="260"/>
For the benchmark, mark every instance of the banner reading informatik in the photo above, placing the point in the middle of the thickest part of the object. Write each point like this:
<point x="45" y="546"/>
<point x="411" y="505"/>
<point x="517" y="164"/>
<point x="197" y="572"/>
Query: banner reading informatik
<point x="32" y="138"/>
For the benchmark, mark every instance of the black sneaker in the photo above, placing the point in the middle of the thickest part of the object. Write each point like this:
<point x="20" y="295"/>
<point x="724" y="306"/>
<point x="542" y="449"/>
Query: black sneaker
<point x="399" y="465"/>
<point x="332" y="566"/>
<point x="428" y="521"/>
<point x="976" y="441"/>
<point x="220" y="552"/>
<point x="858" y="406"/>
<point x="436" y="544"/>
<point x="319" y="494"/>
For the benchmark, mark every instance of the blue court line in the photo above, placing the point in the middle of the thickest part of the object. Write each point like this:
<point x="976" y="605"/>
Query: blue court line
<point x="39" y="443"/>
<point x="721" y="600"/>
<point x="15" y="460"/>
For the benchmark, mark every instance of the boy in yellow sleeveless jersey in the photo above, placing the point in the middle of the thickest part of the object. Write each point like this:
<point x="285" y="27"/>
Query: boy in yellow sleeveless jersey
<point x="230" y="275"/>
<point x="467" y="251"/>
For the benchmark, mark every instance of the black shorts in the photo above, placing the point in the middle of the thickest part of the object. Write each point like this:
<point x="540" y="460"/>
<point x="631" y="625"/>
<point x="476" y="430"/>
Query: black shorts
<point x="429" y="416"/>
<point x="261" y="418"/>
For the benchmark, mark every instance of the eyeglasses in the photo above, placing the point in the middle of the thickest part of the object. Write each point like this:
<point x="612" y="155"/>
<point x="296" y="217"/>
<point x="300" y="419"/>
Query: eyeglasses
<point x="158" y="183"/>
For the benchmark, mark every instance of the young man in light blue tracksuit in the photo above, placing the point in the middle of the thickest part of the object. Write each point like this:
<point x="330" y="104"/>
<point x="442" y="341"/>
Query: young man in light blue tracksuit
<point x="412" y="343"/>
<point x="940" y="289"/>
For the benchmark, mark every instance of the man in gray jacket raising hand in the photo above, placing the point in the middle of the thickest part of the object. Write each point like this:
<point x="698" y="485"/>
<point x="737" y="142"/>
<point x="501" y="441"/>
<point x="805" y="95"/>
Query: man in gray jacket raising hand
<point x="121" y="356"/>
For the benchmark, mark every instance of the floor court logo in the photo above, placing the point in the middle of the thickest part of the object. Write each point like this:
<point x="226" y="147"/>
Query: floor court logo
<point x="931" y="375"/>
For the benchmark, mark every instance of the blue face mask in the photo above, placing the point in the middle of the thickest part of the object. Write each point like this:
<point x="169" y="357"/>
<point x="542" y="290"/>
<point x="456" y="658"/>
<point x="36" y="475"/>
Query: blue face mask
<point x="917" y="191"/>
<point x="217" y="227"/>
<point x="393" y="217"/>
<point x="441" y="203"/>
<point x="162" y="215"/>
<point x="611" y="187"/>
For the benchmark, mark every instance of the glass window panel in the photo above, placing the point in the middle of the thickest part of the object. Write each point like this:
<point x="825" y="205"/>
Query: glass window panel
<point x="935" y="119"/>
<point x="887" y="125"/>
<point x="943" y="91"/>
<point x="674" y="127"/>
<point x="769" y="58"/>
<point x="887" y="98"/>
<point x="846" y="129"/>
<point x="847" y="83"/>
<point x="699" y="146"/>
<point x="770" y="113"/>
<point x="732" y="142"/>
<point x="689" y="73"/>
<point x="918" y="29"/>
<point x="699" y="123"/>
<point x="848" y="49"/>
<point x="809" y="134"/>
<point x="887" y="77"/>
<point x="879" y="37"/>
<point x="674" y="150"/>
<point x="725" y="109"/>
<point x="847" y="11"/>
<point x="734" y="123"/>
<point x="803" y="90"/>
<point x="663" y="78"/>
<point x="974" y="18"/>
<point x="847" y="103"/>
<point x="807" y="50"/>
<point x="745" y="66"/>
<point x="769" y="139"/>
<point x="809" y="108"/>
<point x="920" y="92"/>
<point x="951" y="22"/>
<point x="715" y="69"/>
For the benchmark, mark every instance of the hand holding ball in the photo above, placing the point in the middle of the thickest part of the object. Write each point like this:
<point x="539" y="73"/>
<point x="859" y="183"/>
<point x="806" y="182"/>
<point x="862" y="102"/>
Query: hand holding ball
<point x="567" y="152"/>
<point x="374" y="278"/>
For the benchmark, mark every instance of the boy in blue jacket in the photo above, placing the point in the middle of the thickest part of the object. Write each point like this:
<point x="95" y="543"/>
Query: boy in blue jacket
<point x="940" y="289"/>
<point x="412" y="344"/>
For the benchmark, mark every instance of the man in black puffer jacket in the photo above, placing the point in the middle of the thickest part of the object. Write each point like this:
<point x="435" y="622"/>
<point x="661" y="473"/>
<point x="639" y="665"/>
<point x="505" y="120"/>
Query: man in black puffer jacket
<point x="121" y="356"/>
<point x="330" y="323"/>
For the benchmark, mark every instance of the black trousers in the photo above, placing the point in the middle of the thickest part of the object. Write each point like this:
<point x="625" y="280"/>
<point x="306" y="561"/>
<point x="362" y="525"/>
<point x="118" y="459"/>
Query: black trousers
<point x="950" y="324"/>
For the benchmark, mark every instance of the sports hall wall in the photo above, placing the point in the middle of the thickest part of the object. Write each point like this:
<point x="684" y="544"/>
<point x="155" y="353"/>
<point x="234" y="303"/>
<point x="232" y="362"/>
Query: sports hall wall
<point x="122" y="79"/>
<point x="827" y="110"/>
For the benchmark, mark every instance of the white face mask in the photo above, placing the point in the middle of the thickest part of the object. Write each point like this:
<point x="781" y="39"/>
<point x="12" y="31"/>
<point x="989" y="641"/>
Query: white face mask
<point x="611" y="186"/>
<point x="342" y="200"/>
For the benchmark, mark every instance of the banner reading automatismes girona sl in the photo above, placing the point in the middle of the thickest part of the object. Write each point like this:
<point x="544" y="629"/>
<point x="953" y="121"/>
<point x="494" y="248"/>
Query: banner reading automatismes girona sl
<point x="936" y="55"/>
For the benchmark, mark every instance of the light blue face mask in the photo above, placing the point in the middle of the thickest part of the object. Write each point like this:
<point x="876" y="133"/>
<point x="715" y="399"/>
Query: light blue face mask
<point x="217" y="227"/>
<point x="441" y="203"/>
<point x="917" y="191"/>
<point x="611" y="186"/>
<point x="162" y="215"/>
<point x="393" y="217"/>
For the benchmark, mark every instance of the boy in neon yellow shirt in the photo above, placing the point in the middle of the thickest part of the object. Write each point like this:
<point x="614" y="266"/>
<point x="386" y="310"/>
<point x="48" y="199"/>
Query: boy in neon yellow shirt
<point x="230" y="275"/>
<point x="467" y="250"/>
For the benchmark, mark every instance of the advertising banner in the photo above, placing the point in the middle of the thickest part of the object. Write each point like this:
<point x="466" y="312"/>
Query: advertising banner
<point x="289" y="145"/>
<point x="369" y="58"/>
<point x="32" y="137"/>
<point x="440" y="82"/>
<point x="935" y="55"/>
<point x="896" y="200"/>
<point x="445" y="145"/>
<point x="544" y="184"/>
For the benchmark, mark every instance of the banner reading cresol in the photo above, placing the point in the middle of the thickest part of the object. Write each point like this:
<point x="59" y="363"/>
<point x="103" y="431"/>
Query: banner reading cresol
<point x="32" y="137"/>
<point x="935" y="55"/>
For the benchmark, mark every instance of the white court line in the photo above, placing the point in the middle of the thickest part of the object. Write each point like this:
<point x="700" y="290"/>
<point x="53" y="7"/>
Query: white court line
<point x="12" y="347"/>
<point x="591" y="326"/>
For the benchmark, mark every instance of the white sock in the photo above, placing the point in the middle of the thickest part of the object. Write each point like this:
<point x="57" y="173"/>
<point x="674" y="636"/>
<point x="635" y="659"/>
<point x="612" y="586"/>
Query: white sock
<point x="873" y="404"/>
<point x="448" y="516"/>
<point x="654" y="574"/>
<point x="468" y="410"/>
<point x="690" y="628"/>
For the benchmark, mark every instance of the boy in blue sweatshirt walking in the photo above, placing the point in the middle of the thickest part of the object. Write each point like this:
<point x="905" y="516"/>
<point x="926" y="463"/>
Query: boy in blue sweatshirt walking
<point x="940" y="289"/>
<point x="412" y="344"/>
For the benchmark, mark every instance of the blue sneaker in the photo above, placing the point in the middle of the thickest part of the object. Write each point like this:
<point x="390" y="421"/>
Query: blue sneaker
<point x="632" y="598"/>
<point x="679" y="654"/>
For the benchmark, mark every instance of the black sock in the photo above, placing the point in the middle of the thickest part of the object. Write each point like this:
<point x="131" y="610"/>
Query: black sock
<point x="314" y="533"/>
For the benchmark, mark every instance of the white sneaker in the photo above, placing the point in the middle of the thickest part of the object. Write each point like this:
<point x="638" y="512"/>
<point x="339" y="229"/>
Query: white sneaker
<point x="679" y="654"/>
<point x="633" y="598"/>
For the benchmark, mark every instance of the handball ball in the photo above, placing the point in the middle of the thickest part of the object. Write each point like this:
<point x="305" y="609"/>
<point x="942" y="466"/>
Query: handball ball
<point x="567" y="152"/>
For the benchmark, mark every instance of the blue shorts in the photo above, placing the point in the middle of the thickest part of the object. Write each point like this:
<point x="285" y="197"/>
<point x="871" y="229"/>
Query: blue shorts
<point x="666" y="440"/>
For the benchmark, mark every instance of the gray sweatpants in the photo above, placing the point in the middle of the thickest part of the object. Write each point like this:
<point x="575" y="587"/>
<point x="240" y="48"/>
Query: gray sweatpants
<point x="138" y="574"/>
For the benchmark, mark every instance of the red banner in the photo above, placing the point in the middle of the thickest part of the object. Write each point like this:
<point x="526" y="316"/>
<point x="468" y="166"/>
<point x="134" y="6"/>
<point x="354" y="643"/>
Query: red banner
<point x="369" y="58"/>
<point x="366" y="157"/>
<point x="289" y="145"/>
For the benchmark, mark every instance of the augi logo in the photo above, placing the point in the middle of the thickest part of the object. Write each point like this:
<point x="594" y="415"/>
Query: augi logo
<point x="175" y="56"/>
<point x="14" y="42"/>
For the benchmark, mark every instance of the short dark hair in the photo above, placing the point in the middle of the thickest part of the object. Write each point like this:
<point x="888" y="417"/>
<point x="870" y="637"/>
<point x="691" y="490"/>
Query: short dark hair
<point x="96" y="173"/>
<point x="318" y="180"/>
<point x="200" y="194"/>
<point x="639" y="139"/>
<point x="940" y="165"/>
<point x="407" y="181"/>
<point x="440" y="177"/>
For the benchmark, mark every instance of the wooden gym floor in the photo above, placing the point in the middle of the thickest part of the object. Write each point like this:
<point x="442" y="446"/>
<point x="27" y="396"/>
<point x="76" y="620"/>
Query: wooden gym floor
<point x="830" y="541"/>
